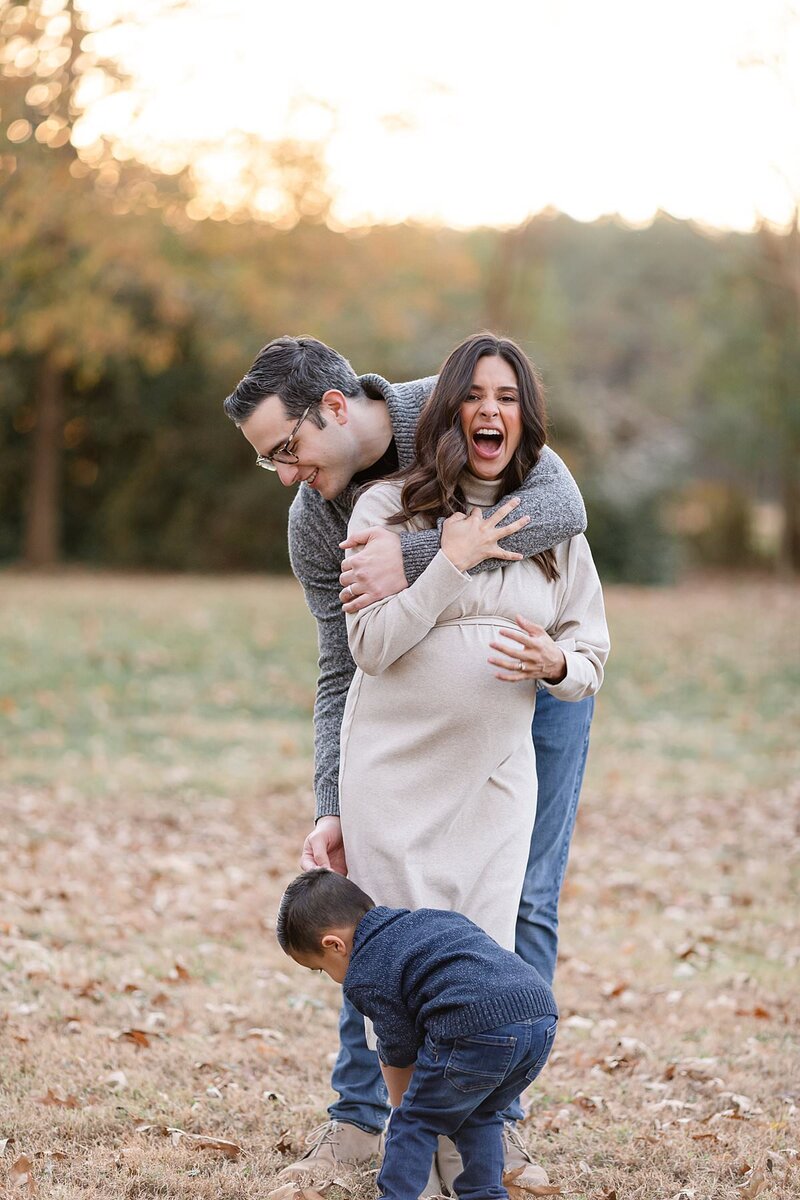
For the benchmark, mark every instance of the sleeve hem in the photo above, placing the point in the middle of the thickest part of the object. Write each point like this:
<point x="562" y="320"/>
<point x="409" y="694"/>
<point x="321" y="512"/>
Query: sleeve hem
<point x="327" y="802"/>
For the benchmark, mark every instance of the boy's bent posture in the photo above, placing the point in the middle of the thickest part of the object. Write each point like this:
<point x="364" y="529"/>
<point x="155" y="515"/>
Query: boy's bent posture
<point x="462" y="1025"/>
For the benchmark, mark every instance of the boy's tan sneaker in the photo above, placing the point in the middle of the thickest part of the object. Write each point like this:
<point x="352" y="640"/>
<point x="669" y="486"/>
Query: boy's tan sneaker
<point x="333" y="1144"/>
<point x="516" y="1159"/>
<point x="518" y="1166"/>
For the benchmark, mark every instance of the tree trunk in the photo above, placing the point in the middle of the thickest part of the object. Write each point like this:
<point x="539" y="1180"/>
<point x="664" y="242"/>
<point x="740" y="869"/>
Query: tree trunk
<point x="43" y="515"/>
<point x="790" y="548"/>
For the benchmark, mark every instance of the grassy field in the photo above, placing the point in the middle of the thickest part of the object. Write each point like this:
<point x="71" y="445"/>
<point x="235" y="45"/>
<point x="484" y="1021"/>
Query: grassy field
<point x="155" y="750"/>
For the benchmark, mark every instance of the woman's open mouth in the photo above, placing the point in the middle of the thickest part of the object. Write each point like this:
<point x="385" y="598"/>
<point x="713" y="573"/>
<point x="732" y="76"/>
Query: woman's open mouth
<point x="488" y="442"/>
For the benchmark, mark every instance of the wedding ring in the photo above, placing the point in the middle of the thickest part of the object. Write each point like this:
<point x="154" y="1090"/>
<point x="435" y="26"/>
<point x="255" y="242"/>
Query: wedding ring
<point x="521" y="666"/>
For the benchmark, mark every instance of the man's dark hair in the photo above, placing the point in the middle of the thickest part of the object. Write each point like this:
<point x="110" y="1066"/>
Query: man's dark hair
<point x="298" y="369"/>
<point x="315" y="903"/>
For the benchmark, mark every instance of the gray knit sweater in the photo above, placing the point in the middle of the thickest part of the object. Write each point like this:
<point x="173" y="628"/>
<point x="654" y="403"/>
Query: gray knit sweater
<point x="549" y="496"/>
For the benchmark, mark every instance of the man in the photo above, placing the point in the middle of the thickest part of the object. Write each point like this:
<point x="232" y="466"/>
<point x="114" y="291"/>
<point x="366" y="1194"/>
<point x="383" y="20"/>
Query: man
<point x="313" y="421"/>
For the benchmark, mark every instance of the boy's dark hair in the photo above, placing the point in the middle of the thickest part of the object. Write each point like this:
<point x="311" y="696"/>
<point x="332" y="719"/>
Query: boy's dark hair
<point x="315" y="903"/>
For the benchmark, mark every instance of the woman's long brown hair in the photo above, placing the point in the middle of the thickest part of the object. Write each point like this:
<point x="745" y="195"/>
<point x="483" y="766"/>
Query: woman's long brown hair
<point x="431" y="485"/>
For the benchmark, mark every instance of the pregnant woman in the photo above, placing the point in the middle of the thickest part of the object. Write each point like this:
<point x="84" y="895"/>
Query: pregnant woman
<point x="438" y="779"/>
<point x="438" y="775"/>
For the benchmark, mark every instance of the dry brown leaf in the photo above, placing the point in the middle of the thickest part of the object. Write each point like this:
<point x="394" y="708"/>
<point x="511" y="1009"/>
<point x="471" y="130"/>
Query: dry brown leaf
<point x="229" y="1149"/>
<point x="4" y="1142"/>
<point x="59" y="1100"/>
<point x="22" y="1175"/>
<point x="293" y="1191"/>
<point x="178" y="974"/>
<point x="754" y="1186"/>
<point x="588" y="1103"/>
<point x="199" y="1140"/>
<point x="612" y="990"/>
<point x="284" y="1143"/>
<point x="521" y="1191"/>
<point x="90" y="990"/>
<point x="137" y="1036"/>
<point x="557" y="1121"/>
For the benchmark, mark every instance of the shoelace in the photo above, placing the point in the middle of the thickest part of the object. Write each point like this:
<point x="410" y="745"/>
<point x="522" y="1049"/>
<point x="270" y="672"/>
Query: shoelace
<point x="322" y="1134"/>
<point x="512" y="1134"/>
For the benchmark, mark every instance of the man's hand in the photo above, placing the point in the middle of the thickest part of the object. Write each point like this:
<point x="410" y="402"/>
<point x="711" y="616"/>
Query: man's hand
<point x="528" y="653"/>
<point x="324" y="847"/>
<point x="468" y="540"/>
<point x="375" y="572"/>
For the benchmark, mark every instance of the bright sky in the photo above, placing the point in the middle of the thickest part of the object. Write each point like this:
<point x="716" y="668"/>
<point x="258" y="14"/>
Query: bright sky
<point x="479" y="113"/>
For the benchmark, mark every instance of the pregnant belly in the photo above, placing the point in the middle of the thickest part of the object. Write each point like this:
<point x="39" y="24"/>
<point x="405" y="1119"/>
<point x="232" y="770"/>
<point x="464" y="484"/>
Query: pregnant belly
<point x="442" y="692"/>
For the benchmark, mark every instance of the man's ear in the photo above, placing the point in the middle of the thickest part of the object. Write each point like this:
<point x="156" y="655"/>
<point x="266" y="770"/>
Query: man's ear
<point x="335" y="404"/>
<point x="332" y="941"/>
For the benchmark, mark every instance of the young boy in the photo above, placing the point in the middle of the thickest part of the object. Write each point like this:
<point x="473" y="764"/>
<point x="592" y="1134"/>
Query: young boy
<point x="463" y="1026"/>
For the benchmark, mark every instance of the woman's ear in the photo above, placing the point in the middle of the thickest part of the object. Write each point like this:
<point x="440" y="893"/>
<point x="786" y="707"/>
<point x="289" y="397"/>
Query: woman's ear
<point x="335" y="404"/>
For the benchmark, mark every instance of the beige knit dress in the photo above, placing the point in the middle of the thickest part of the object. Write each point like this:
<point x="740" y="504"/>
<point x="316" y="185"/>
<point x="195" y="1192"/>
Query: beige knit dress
<point x="437" y="778"/>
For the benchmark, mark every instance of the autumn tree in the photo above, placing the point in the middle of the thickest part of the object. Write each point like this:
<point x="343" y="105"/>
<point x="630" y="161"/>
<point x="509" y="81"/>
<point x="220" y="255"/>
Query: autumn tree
<point x="79" y="283"/>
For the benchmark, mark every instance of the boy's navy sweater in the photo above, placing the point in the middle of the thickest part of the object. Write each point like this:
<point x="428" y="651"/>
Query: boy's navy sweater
<point x="436" y="972"/>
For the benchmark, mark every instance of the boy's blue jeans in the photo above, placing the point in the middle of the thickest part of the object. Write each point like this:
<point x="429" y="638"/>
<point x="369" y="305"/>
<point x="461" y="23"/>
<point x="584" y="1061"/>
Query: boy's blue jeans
<point x="561" y="739"/>
<point x="459" y="1089"/>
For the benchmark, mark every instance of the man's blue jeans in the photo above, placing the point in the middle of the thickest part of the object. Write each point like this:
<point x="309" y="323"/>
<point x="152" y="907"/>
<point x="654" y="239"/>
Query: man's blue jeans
<point x="459" y="1088"/>
<point x="561" y="739"/>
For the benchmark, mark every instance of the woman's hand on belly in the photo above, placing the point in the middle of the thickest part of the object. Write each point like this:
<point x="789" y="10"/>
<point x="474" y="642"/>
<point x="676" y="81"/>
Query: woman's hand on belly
<point x="324" y="847"/>
<point x="527" y="653"/>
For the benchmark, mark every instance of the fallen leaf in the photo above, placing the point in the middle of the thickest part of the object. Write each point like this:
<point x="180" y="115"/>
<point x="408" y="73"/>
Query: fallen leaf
<point x="137" y="1036"/>
<point x="588" y="1103"/>
<point x="199" y="1140"/>
<point x="90" y="990"/>
<point x="556" y="1121"/>
<point x="9" y="1141"/>
<point x="291" y="1191"/>
<point x="22" y="1174"/>
<point x="612" y="990"/>
<point x="58" y="1099"/>
<point x="754" y="1186"/>
<point x="520" y="1191"/>
<point x="178" y="974"/>
<point x="272" y="1035"/>
<point x="284" y="1143"/>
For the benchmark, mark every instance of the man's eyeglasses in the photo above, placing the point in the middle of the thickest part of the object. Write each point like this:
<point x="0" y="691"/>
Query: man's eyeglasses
<point x="282" y="454"/>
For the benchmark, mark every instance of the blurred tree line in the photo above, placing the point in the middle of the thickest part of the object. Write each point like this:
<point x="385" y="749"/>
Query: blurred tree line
<point x="672" y="356"/>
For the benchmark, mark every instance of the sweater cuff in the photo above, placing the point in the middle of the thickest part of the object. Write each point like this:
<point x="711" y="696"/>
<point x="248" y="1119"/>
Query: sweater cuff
<point x="440" y="584"/>
<point x="327" y="801"/>
<point x="574" y="685"/>
<point x="419" y="549"/>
